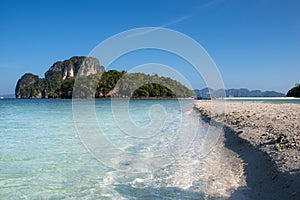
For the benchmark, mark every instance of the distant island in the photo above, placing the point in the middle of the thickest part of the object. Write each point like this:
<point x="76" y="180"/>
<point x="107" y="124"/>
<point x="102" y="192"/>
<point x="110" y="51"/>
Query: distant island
<point x="60" y="79"/>
<point x="243" y="92"/>
<point x="59" y="82"/>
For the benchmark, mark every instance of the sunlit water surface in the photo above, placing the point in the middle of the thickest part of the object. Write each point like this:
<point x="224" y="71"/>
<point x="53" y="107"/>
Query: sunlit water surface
<point x="42" y="156"/>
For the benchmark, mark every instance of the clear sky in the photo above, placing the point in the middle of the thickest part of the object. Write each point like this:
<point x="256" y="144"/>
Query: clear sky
<point x="255" y="43"/>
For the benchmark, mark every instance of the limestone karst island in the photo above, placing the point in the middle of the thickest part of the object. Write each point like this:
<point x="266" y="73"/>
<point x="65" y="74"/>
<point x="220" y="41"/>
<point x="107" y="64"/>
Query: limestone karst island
<point x="96" y="82"/>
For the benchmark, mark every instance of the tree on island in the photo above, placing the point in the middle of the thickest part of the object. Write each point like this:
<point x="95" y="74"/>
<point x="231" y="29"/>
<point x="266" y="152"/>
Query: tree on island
<point x="94" y="81"/>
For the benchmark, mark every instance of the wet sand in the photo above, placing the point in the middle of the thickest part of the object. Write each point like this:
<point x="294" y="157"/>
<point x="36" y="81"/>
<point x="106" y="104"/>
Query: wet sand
<point x="267" y="139"/>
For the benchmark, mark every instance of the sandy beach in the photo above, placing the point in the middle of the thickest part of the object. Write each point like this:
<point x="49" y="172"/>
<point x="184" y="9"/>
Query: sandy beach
<point x="267" y="139"/>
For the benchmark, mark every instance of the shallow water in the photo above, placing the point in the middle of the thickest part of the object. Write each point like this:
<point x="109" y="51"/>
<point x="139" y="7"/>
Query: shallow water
<point x="42" y="155"/>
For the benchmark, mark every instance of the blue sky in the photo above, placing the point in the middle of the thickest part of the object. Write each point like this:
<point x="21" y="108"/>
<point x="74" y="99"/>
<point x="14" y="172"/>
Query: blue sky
<point x="255" y="44"/>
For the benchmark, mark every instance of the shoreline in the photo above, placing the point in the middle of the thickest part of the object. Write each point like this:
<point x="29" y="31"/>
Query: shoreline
<point x="267" y="139"/>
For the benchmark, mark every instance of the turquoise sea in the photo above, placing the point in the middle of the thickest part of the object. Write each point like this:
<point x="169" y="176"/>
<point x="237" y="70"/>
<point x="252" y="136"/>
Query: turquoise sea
<point x="42" y="155"/>
<point x="102" y="149"/>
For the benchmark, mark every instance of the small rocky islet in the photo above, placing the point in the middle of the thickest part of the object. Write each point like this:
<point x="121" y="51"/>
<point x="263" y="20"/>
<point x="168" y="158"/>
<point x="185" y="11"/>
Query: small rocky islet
<point x="294" y="92"/>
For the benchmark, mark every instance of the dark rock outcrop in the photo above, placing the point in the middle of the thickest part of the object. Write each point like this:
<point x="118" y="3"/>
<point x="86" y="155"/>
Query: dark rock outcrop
<point x="26" y="86"/>
<point x="294" y="92"/>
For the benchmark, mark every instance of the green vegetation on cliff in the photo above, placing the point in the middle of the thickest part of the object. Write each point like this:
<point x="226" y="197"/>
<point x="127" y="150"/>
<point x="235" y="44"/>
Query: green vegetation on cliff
<point x="58" y="79"/>
<point x="145" y="85"/>
<point x="28" y="85"/>
<point x="93" y="81"/>
<point x="294" y="92"/>
<point x="153" y="90"/>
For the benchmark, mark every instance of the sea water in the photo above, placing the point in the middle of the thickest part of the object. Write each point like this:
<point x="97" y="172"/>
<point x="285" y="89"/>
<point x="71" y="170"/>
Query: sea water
<point x="44" y="153"/>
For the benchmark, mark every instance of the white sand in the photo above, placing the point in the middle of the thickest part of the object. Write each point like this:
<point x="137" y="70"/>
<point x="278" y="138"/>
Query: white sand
<point x="267" y="137"/>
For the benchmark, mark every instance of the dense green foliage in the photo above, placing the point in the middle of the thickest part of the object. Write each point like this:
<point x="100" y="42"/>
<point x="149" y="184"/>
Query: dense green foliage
<point x="108" y="82"/>
<point x="153" y="90"/>
<point x="112" y="83"/>
<point x="145" y="85"/>
<point x="60" y="82"/>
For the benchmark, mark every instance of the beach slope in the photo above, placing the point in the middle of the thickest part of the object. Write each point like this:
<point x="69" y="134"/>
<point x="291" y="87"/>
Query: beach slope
<point x="267" y="139"/>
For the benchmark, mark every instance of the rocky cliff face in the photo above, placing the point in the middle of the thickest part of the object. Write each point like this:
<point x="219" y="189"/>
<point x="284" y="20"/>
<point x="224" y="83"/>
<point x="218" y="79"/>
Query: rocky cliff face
<point x="60" y="75"/>
<point x="69" y="68"/>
